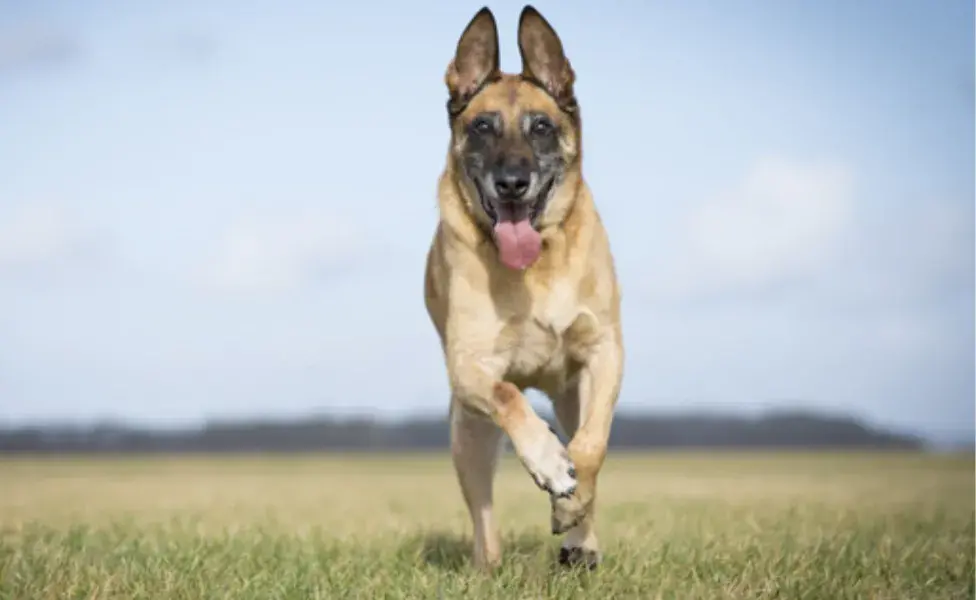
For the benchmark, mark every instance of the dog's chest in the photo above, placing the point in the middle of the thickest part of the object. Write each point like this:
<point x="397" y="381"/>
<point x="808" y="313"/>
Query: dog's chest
<point x="538" y="347"/>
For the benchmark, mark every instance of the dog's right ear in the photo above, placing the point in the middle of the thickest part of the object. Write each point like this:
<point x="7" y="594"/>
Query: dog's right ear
<point x="543" y="60"/>
<point x="475" y="62"/>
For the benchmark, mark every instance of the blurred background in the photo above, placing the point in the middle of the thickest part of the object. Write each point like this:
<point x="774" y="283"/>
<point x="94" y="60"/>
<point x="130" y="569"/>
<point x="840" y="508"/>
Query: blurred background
<point x="214" y="217"/>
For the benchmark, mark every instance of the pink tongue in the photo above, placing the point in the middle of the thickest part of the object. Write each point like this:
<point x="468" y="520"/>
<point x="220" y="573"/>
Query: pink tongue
<point x="518" y="243"/>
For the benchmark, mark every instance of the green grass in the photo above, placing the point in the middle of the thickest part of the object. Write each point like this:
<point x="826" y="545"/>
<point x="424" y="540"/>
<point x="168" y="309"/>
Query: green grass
<point x="724" y="525"/>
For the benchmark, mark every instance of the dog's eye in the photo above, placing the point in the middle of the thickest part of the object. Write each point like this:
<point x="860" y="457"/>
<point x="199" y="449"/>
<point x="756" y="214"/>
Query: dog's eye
<point x="541" y="127"/>
<point x="482" y="126"/>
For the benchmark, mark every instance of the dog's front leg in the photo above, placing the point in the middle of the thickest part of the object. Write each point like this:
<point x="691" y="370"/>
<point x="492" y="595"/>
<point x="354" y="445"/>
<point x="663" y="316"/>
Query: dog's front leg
<point x="479" y="400"/>
<point x="480" y="389"/>
<point x="597" y="392"/>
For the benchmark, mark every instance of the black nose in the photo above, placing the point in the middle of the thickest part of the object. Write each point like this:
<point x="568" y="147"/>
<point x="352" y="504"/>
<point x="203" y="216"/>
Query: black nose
<point x="512" y="183"/>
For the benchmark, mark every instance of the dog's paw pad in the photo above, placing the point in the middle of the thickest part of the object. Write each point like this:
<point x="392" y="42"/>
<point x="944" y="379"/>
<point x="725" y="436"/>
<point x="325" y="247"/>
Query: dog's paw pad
<point x="579" y="557"/>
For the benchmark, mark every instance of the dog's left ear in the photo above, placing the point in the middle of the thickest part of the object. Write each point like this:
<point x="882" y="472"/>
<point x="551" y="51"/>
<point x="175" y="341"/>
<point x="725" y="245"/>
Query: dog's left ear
<point x="543" y="59"/>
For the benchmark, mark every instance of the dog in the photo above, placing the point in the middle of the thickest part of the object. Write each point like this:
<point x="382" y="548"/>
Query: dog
<point x="520" y="284"/>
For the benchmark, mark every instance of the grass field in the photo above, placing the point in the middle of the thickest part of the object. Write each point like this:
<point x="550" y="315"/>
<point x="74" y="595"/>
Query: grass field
<point x="722" y="525"/>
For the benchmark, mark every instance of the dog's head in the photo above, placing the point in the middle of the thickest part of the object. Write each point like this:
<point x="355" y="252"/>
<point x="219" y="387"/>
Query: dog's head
<point x="515" y="138"/>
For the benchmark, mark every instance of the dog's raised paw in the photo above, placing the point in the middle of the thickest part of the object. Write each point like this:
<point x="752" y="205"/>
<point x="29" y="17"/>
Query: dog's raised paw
<point x="579" y="557"/>
<point x="549" y="465"/>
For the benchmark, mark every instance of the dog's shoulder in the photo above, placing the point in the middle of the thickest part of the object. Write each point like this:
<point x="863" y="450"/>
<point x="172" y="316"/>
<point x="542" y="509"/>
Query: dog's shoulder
<point x="582" y="259"/>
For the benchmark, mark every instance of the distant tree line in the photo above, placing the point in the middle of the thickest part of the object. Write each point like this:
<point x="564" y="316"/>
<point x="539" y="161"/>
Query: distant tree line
<point x="785" y="430"/>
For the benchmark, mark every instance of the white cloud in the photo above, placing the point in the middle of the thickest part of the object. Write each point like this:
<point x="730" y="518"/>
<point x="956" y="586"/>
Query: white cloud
<point x="281" y="253"/>
<point x="41" y="236"/>
<point x="783" y="220"/>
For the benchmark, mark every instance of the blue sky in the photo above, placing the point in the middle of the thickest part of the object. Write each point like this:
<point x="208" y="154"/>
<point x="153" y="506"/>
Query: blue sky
<point x="221" y="209"/>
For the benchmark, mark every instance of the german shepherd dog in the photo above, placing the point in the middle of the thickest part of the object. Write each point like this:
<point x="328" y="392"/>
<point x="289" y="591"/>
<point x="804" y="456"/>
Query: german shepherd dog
<point x="520" y="284"/>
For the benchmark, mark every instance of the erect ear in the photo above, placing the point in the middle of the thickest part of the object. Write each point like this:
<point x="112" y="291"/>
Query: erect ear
<point x="475" y="61"/>
<point x="542" y="57"/>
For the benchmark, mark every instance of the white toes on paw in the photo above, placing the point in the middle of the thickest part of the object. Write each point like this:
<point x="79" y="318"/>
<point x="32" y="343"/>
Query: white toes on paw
<point x="549" y="465"/>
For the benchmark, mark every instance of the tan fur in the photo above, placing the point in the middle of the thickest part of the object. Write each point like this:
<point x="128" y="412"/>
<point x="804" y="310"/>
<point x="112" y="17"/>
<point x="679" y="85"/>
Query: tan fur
<point x="554" y="327"/>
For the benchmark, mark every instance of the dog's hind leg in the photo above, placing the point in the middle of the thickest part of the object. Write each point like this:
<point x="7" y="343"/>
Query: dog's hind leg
<point x="475" y="445"/>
